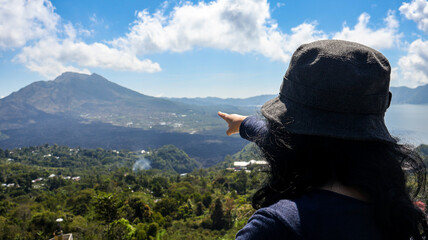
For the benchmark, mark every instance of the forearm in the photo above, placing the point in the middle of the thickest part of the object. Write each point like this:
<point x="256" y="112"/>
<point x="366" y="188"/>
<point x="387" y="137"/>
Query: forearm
<point x="253" y="129"/>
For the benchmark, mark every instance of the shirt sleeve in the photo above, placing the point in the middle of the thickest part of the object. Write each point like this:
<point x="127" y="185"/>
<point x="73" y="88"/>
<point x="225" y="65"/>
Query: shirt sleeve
<point x="264" y="225"/>
<point x="253" y="129"/>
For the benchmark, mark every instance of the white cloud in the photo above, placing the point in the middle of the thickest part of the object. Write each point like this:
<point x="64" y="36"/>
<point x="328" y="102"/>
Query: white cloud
<point x="52" y="56"/>
<point x="243" y="26"/>
<point x="50" y="48"/>
<point x="382" y="38"/>
<point x="417" y="11"/>
<point x="25" y="20"/>
<point x="413" y="68"/>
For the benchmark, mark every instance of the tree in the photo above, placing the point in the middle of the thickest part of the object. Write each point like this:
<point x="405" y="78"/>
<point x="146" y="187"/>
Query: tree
<point x="167" y="206"/>
<point x="140" y="209"/>
<point x="79" y="203"/>
<point x="157" y="190"/>
<point x="158" y="184"/>
<point x="121" y="230"/>
<point x="199" y="209"/>
<point x="55" y="182"/>
<point x="106" y="207"/>
<point x="140" y="232"/>
<point x="217" y="216"/>
<point x="153" y="229"/>
<point x="5" y="207"/>
<point x="240" y="183"/>
<point x="184" y="211"/>
<point x="45" y="222"/>
<point x="206" y="200"/>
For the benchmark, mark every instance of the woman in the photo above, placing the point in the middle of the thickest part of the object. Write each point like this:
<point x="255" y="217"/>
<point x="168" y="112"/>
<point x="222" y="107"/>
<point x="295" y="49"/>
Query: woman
<point x="335" y="171"/>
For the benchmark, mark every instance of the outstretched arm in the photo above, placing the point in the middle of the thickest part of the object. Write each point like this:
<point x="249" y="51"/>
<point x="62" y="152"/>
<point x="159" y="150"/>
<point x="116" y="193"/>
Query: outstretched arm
<point x="250" y="128"/>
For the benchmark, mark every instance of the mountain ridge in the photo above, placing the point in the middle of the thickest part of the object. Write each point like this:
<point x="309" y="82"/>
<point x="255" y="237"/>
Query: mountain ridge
<point x="254" y="101"/>
<point x="400" y="95"/>
<point x="403" y="95"/>
<point x="90" y="111"/>
<point x="66" y="92"/>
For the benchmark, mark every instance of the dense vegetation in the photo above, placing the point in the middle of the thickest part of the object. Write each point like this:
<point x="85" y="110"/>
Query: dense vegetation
<point x="170" y="158"/>
<point x="206" y="149"/>
<point x="99" y="196"/>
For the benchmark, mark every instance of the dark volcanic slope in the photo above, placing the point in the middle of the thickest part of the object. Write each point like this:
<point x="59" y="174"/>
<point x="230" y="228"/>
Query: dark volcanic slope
<point x="80" y="93"/>
<point x="207" y="149"/>
<point x="90" y="111"/>
<point x="95" y="99"/>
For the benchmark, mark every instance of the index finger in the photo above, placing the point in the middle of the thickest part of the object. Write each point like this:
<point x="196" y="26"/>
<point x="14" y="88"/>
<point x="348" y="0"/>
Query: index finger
<point x="223" y="115"/>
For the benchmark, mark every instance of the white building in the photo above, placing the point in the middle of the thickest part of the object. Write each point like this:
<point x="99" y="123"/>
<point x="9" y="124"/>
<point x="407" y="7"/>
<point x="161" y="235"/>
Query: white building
<point x="238" y="165"/>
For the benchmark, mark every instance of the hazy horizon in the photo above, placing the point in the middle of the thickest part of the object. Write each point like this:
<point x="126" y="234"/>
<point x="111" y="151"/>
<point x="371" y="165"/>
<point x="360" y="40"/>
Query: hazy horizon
<point x="184" y="96"/>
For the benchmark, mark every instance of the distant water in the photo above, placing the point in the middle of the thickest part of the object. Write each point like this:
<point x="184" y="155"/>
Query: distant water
<point x="408" y="122"/>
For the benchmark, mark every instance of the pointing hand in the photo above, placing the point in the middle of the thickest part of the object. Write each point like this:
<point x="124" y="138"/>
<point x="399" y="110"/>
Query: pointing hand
<point x="233" y="120"/>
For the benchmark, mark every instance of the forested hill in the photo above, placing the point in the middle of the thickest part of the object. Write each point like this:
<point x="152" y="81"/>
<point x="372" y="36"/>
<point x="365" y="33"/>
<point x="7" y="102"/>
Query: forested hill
<point x="99" y="195"/>
<point x="171" y="158"/>
<point x="167" y="158"/>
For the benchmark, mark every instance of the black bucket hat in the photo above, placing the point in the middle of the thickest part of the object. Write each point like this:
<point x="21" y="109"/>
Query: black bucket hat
<point x="334" y="88"/>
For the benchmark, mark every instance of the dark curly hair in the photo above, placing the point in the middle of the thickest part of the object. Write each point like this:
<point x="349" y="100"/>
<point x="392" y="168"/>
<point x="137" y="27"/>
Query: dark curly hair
<point x="300" y="163"/>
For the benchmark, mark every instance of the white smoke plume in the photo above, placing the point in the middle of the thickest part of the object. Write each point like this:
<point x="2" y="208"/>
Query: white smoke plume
<point x="141" y="164"/>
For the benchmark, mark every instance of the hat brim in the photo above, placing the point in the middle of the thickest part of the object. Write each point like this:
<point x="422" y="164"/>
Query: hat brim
<point x="300" y="119"/>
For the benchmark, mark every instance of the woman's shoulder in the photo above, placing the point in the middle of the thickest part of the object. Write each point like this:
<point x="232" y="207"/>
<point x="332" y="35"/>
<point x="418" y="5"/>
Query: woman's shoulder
<point x="315" y="214"/>
<point x="271" y="223"/>
<point x="286" y="212"/>
<point x="275" y="221"/>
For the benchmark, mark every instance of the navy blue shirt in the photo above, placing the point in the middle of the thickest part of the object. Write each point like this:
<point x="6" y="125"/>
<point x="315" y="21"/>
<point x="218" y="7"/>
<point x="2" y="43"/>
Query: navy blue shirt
<point x="253" y="129"/>
<point x="319" y="214"/>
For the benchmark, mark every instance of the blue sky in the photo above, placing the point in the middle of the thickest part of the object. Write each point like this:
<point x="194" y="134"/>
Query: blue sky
<point x="223" y="48"/>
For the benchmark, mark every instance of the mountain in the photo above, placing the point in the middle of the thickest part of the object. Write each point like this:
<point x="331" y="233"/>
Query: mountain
<point x="417" y="95"/>
<point x="251" y="102"/>
<point x="90" y="111"/>
<point x="400" y="95"/>
<point x="93" y="98"/>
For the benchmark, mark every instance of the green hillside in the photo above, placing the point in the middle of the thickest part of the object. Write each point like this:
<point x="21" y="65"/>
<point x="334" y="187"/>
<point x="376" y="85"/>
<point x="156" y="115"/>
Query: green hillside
<point x="98" y="195"/>
<point x="171" y="158"/>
